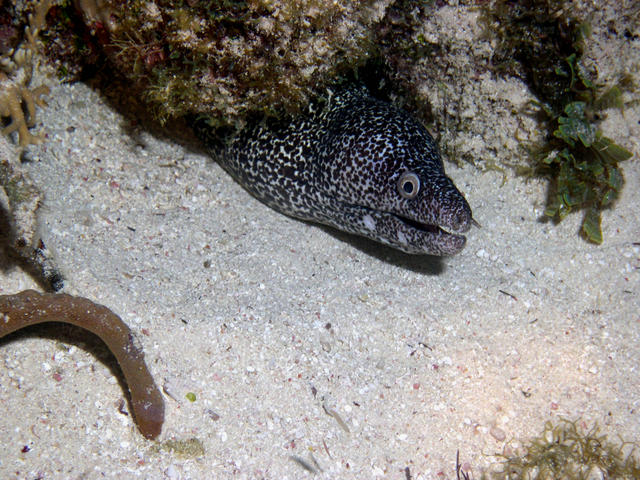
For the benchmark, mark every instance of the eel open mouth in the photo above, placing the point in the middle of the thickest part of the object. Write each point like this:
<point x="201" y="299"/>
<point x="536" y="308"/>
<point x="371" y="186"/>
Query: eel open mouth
<point x="425" y="227"/>
<point x="402" y="233"/>
<point x="429" y="238"/>
<point x="412" y="236"/>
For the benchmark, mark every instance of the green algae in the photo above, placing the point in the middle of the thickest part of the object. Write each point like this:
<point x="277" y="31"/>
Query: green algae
<point x="539" y="42"/>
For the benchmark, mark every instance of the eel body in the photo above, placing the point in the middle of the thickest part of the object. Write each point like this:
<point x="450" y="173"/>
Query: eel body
<point x="355" y="163"/>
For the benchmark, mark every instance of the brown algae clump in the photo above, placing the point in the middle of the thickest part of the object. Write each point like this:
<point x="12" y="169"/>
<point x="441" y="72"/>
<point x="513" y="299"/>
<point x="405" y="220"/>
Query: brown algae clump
<point x="189" y="448"/>
<point x="565" y="452"/>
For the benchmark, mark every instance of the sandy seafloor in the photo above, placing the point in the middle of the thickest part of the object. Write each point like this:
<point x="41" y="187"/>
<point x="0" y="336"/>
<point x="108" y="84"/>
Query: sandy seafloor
<point x="271" y="322"/>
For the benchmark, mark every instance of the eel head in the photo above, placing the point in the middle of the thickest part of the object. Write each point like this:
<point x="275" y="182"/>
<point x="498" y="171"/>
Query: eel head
<point x="385" y="171"/>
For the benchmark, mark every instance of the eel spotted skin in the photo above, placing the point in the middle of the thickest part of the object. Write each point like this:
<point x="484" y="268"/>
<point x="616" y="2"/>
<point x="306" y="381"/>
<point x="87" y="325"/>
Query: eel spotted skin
<point x="355" y="163"/>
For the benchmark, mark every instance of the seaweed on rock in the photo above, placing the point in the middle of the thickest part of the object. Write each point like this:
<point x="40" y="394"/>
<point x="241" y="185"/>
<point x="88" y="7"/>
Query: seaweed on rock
<point x="20" y="199"/>
<point x="540" y="42"/>
<point x="230" y="59"/>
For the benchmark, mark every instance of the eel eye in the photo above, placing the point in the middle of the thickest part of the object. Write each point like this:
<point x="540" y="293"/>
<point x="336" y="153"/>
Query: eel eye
<point x="408" y="185"/>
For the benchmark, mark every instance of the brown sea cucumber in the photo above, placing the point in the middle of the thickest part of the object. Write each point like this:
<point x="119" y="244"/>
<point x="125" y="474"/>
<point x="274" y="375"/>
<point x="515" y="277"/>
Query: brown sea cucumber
<point x="30" y="307"/>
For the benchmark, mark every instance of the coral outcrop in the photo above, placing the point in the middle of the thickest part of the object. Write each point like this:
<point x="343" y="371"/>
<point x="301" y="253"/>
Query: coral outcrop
<point x="231" y="59"/>
<point x="20" y="199"/>
<point x="18" y="98"/>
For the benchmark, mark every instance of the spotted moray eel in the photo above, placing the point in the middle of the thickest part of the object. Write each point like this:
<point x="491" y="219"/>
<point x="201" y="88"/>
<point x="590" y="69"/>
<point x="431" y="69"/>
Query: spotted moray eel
<point x="355" y="163"/>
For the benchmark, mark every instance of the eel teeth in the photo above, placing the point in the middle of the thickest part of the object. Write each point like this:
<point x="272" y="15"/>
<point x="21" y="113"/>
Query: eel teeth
<point x="423" y="227"/>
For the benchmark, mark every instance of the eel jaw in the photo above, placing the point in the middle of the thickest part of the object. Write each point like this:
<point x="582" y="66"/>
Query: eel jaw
<point x="427" y="239"/>
<point x="404" y="234"/>
<point x="397" y="231"/>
